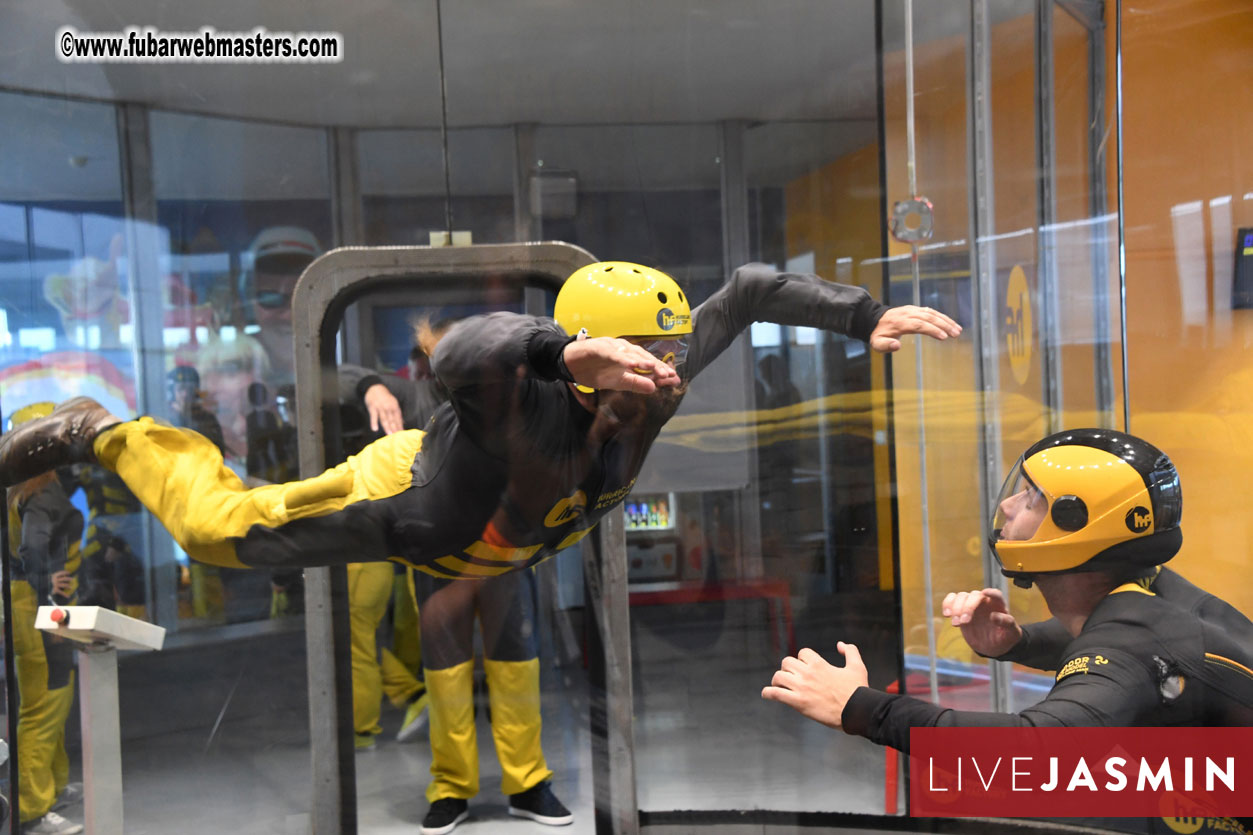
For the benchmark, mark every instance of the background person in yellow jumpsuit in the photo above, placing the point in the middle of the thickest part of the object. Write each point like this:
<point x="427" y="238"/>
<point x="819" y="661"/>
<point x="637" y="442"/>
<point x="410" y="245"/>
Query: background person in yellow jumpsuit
<point x="505" y="609"/>
<point x="504" y="606"/>
<point x="377" y="673"/>
<point x="44" y="534"/>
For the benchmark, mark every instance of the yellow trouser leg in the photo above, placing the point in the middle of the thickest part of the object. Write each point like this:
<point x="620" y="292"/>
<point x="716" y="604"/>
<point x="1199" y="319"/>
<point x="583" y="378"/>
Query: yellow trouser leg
<point x="208" y="599"/>
<point x="399" y="684"/>
<point x="407" y="631"/>
<point x="369" y="587"/>
<point x="454" y="745"/>
<point x="179" y="476"/>
<point x="513" y="691"/>
<point x="42" y="762"/>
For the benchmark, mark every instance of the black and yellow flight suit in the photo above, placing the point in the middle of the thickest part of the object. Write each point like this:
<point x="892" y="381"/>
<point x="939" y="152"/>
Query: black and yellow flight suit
<point x="1154" y="652"/>
<point x="44" y="533"/>
<point x="508" y="473"/>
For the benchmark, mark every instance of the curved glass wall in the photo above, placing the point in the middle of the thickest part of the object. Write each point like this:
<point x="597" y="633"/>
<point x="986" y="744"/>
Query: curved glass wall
<point x="810" y="491"/>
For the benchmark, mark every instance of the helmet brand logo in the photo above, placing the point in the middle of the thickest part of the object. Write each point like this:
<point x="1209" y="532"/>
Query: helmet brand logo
<point x="567" y="510"/>
<point x="667" y="319"/>
<point x="1139" y="519"/>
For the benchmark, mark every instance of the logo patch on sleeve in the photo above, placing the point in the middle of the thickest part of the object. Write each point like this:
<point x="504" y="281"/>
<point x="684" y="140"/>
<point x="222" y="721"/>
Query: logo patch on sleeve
<point x="1081" y="664"/>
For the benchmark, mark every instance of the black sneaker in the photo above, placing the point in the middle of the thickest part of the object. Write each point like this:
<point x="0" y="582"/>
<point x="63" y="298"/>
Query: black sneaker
<point x="444" y="815"/>
<point x="540" y="804"/>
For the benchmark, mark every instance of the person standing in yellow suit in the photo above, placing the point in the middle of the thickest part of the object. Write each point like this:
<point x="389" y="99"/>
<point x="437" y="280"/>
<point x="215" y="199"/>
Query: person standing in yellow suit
<point x="505" y="609"/>
<point x="44" y="534"/>
<point x="375" y="673"/>
<point x="447" y="609"/>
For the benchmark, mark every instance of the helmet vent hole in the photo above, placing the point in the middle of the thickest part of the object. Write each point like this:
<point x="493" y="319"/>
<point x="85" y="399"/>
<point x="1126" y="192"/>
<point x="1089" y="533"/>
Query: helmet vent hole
<point x="661" y="297"/>
<point x="608" y="269"/>
<point x="637" y="272"/>
<point x="681" y="299"/>
<point x="1069" y="513"/>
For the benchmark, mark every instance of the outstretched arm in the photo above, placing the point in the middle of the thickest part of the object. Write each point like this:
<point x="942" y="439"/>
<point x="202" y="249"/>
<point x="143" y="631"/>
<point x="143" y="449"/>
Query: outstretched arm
<point x="1117" y="690"/>
<point x="759" y="293"/>
<point x="503" y="348"/>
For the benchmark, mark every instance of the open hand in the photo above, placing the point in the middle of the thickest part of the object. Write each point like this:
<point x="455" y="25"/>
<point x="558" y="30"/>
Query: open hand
<point x="898" y="321"/>
<point x="617" y="365"/>
<point x="384" y="409"/>
<point x="984" y="620"/>
<point x="815" y="688"/>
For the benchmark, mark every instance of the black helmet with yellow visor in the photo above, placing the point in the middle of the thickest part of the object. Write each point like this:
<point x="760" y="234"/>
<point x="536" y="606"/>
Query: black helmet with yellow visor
<point x="1087" y="500"/>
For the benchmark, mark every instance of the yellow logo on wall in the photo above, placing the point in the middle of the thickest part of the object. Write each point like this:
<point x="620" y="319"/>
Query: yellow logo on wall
<point x="1018" y="325"/>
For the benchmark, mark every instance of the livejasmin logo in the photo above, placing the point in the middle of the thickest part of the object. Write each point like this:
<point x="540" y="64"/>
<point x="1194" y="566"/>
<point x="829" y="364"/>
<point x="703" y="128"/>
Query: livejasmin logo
<point x="1081" y="772"/>
<point x="1023" y="774"/>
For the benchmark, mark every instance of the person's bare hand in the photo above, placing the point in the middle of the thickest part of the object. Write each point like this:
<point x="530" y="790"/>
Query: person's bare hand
<point x="816" y="689"/>
<point x="62" y="583"/>
<point x="617" y="365"/>
<point x="984" y="620"/>
<point x="384" y="409"/>
<point x="898" y="321"/>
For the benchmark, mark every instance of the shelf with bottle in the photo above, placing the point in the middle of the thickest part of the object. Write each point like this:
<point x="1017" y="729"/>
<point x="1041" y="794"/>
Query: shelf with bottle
<point x="649" y="512"/>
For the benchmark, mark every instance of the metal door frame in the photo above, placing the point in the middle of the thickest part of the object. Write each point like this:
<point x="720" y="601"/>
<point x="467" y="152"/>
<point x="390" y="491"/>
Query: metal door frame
<point x="320" y="297"/>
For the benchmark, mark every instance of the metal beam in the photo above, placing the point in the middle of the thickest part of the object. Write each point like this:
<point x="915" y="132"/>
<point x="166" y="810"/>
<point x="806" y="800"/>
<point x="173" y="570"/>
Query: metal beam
<point x="1051" y="367"/>
<point x="735" y="252"/>
<point x="984" y="293"/>
<point x="324" y="290"/>
<point x="144" y="243"/>
<point x="610" y="696"/>
<point x="526" y="226"/>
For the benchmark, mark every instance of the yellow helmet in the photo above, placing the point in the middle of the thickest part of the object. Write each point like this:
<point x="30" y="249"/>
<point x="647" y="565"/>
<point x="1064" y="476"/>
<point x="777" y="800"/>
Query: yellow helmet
<point x="1087" y="499"/>
<point x="617" y="298"/>
<point x="30" y="412"/>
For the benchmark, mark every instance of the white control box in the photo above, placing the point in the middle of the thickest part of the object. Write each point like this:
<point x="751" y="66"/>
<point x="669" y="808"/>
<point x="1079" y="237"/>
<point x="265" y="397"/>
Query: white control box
<point x="98" y="625"/>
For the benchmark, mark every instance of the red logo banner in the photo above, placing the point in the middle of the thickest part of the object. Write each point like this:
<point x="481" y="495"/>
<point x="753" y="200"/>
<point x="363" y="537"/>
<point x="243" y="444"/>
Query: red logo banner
<point x="1081" y="772"/>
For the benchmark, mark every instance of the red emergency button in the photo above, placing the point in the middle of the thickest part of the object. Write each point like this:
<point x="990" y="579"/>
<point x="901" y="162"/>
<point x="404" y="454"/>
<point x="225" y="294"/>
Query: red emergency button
<point x="60" y="616"/>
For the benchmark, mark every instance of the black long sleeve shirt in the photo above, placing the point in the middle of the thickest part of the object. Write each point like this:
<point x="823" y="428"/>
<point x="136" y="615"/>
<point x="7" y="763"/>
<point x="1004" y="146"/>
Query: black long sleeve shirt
<point x="1170" y="654"/>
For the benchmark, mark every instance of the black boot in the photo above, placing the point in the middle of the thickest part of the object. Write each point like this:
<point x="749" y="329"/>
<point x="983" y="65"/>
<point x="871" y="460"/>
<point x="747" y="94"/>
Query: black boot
<point x="63" y="437"/>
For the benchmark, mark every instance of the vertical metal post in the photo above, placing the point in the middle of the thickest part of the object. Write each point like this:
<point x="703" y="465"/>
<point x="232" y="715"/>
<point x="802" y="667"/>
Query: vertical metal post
<point x="1122" y="225"/>
<point x="333" y="806"/>
<point x="1051" y="367"/>
<point x="144" y="244"/>
<point x="984" y="291"/>
<point x="1103" y="360"/>
<point x="609" y="678"/>
<point x="332" y="810"/>
<point x="347" y="219"/>
<point x="348" y="227"/>
<point x="102" y="741"/>
<point x="924" y="499"/>
<point x="735" y="252"/>
<point x="526" y="226"/>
